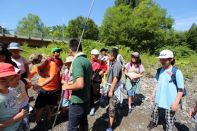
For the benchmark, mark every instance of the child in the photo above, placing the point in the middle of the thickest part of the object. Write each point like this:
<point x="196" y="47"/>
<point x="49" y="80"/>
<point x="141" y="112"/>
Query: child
<point x="168" y="92"/>
<point x="67" y="79"/>
<point x="10" y="113"/>
<point x="134" y="71"/>
<point x="22" y="100"/>
<point x="21" y="62"/>
<point x="114" y="77"/>
<point x="193" y="114"/>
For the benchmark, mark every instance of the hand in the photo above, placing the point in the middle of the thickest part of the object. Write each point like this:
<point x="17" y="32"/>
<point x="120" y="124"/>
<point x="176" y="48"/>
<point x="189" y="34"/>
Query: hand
<point x="191" y="113"/>
<point x="64" y="86"/>
<point x="151" y="98"/>
<point x="101" y="73"/>
<point x="20" y="115"/>
<point x="110" y="94"/>
<point x="36" y="87"/>
<point x="70" y="83"/>
<point x="174" y="107"/>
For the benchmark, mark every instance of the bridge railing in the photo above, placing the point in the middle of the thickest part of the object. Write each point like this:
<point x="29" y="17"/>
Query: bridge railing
<point x="32" y="35"/>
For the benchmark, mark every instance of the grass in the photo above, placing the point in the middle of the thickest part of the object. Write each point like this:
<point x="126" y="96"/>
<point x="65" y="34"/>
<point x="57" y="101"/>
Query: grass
<point x="188" y="65"/>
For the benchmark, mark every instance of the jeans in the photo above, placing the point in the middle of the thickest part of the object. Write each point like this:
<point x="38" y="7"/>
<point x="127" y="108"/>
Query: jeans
<point x="78" y="117"/>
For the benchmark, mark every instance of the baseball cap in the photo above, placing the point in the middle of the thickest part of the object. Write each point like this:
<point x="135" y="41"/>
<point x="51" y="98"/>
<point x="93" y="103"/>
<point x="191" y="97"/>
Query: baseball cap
<point x="94" y="52"/>
<point x="7" y="70"/>
<point x="56" y="50"/>
<point x="14" y="46"/>
<point x="69" y="59"/>
<point x="166" y="54"/>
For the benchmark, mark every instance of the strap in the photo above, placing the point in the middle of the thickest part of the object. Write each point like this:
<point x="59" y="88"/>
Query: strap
<point x="158" y="73"/>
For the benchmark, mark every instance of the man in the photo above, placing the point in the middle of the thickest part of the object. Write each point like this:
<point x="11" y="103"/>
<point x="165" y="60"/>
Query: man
<point x="81" y="70"/>
<point x="56" y="57"/>
<point x="99" y="68"/>
<point x="119" y="57"/>
<point x="114" y="77"/>
<point x="168" y="92"/>
<point x="47" y="86"/>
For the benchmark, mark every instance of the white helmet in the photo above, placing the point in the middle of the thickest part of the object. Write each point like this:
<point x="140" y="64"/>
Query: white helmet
<point x="166" y="54"/>
<point x="94" y="52"/>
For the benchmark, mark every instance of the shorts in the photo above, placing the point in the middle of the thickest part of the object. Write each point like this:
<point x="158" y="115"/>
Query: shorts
<point x="46" y="98"/>
<point x="65" y="103"/>
<point x="112" y="106"/>
<point x="131" y="92"/>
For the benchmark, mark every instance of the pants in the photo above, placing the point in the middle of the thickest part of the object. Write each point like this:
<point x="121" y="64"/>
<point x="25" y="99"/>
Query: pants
<point x="169" y="117"/>
<point x="112" y="106"/>
<point x="78" y="117"/>
<point x="196" y="126"/>
<point x="95" y="93"/>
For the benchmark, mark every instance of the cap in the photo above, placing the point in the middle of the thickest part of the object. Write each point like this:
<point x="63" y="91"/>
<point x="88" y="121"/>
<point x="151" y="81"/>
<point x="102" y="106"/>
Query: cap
<point x="14" y="46"/>
<point x="6" y="70"/>
<point x="103" y="49"/>
<point x="56" y="50"/>
<point x="94" y="52"/>
<point x="136" y="54"/>
<point x="69" y="59"/>
<point x="166" y="54"/>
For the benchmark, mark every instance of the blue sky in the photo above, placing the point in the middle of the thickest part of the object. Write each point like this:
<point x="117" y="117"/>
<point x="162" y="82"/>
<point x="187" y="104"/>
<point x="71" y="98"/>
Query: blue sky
<point x="55" y="12"/>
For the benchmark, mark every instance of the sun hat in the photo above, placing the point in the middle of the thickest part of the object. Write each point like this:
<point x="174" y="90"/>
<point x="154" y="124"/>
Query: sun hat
<point x="36" y="59"/>
<point x="166" y="54"/>
<point x="94" y="52"/>
<point x="7" y="70"/>
<point x="14" y="46"/>
<point x="136" y="54"/>
<point x="69" y="59"/>
<point x="56" y="50"/>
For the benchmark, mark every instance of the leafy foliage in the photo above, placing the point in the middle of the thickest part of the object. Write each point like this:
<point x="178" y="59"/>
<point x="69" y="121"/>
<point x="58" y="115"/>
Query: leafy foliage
<point x="192" y="37"/>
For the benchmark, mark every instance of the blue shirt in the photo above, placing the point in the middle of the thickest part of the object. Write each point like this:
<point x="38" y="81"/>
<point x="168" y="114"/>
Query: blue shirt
<point x="8" y="109"/>
<point x="166" y="92"/>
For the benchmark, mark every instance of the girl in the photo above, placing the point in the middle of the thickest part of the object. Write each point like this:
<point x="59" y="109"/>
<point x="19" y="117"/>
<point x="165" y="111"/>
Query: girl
<point x="67" y="79"/>
<point x="134" y="71"/>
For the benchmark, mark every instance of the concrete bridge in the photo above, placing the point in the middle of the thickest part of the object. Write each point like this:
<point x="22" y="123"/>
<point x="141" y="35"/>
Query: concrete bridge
<point x="32" y="39"/>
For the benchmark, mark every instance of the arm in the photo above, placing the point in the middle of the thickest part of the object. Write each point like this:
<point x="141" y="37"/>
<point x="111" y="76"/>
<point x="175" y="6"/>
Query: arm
<point x="27" y="68"/>
<point x="14" y="119"/>
<point x="48" y="80"/>
<point x="114" y="82"/>
<point x="79" y="84"/>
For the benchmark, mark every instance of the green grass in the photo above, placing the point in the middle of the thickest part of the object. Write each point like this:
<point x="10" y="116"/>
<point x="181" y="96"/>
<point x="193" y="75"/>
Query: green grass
<point x="188" y="64"/>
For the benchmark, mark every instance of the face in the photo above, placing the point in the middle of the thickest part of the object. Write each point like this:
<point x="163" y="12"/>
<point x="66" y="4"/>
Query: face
<point x="104" y="53"/>
<point x="68" y="65"/>
<point x="15" y="52"/>
<point x="10" y="81"/>
<point x="134" y="59"/>
<point x="166" y="62"/>
<point x="111" y="57"/>
<point x="2" y="58"/>
<point x="57" y="54"/>
<point x="71" y="52"/>
<point x="95" y="57"/>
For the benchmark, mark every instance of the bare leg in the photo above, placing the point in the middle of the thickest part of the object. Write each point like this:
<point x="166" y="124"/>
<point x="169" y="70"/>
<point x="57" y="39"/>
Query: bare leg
<point x="110" y="122"/>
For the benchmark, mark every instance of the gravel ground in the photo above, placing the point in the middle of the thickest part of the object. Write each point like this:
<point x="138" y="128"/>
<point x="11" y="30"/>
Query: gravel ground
<point x="140" y="116"/>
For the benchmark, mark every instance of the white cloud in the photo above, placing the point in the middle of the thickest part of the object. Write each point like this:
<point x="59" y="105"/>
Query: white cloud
<point x="184" y="23"/>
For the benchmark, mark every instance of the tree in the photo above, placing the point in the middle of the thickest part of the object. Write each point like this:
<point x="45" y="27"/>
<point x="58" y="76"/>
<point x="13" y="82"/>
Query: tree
<point x="142" y="28"/>
<point x="75" y="28"/>
<point x="33" y="25"/>
<point x="58" y="32"/>
<point x="192" y="37"/>
<point x="3" y="30"/>
<point x="131" y="3"/>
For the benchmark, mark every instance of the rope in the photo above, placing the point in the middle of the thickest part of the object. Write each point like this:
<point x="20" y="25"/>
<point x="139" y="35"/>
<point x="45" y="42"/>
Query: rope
<point x="81" y="37"/>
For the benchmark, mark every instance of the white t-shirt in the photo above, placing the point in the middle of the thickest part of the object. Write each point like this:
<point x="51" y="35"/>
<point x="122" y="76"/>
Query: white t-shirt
<point x="21" y="63"/>
<point x="20" y="93"/>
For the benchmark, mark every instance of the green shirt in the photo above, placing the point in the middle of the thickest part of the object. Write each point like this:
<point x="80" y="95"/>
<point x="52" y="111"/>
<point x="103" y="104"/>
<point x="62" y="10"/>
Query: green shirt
<point x="81" y="67"/>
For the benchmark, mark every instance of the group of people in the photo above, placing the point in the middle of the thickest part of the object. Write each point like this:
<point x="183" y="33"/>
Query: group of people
<point x="83" y="82"/>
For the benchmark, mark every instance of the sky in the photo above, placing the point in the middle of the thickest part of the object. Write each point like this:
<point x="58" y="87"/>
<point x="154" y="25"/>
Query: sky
<point x="57" y="12"/>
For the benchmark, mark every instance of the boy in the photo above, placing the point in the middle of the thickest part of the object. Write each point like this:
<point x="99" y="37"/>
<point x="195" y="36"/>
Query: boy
<point x="21" y="62"/>
<point x="10" y="113"/>
<point x="168" y="92"/>
<point x="114" y="76"/>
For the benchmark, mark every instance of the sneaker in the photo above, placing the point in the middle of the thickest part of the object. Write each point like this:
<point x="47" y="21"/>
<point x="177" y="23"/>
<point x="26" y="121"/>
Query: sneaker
<point x="130" y="110"/>
<point x="151" y="125"/>
<point x="109" y="129"/>
<point x="92" y="112"/>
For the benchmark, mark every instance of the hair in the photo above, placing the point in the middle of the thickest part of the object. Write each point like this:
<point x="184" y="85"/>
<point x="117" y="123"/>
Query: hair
<point x="138" y="62"/>
<point x="114" y="52"/>
<point x="173" y="62"/>
<point x="74" y="44"/>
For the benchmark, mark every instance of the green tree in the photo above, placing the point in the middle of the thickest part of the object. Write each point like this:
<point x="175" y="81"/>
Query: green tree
<point x="75" y="28"/>
<point x="192" y="37"/>
<point x="58" y="32"/>
<point x="142" y="28"/>
<point x="131" y="3"/>
<point x="3" y="30"/>
<point x="32" y="24"/>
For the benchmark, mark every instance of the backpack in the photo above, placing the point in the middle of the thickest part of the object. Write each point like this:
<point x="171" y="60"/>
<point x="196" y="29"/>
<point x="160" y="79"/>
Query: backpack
<point x="173" y="78"/>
